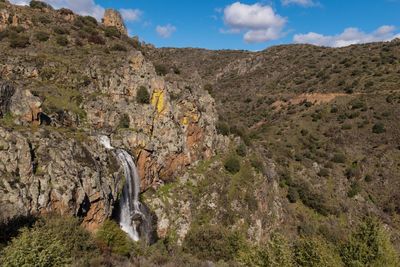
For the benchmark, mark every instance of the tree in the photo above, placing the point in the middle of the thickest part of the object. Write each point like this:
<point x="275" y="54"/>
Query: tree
<point x="370" y="245"/>
<point x="143" y="96"/>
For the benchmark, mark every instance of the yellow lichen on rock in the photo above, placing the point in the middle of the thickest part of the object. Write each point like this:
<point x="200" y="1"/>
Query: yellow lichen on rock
<point x="185" y="121"/>
<point x="157" y="100"/>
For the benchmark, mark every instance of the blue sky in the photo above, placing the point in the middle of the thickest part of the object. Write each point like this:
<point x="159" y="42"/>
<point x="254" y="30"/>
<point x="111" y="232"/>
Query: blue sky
<point x="251" y="25"/>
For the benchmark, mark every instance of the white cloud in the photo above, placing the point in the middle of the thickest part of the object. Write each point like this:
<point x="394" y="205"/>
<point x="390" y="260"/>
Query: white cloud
<point x="86" y="8"/>
<point x="131" y="14"/>
<point x="305" y="3"/>
<point x="259" y="22"/>
<point x="165" y="31"/>
<point x="348" y="37"/>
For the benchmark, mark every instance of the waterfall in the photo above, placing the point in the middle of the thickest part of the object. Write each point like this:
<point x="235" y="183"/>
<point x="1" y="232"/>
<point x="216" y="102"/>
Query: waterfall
<point x="132" y="213"/>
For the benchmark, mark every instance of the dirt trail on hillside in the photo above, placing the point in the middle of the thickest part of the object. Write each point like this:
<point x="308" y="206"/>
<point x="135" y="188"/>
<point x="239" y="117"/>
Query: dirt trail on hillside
<point x="315" y="98"/>
<point x="321" y="98"/>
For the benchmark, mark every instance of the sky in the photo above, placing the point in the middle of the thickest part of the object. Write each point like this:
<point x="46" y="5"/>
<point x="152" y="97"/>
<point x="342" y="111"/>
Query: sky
<point x="249" y="25"/>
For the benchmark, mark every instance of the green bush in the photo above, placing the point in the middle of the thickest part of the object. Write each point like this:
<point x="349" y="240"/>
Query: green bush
<point x="124" y="122"/>
<point x="276" y="253"/>
<point x="53" y="241"/>
<point x="313" y="199"/>
<point x="161" y="70"/>
<point x="143" y="95"/>
<point x="257" y="165"/>
<point x="96" y="39"/>
<point x="316" y="252"/>
<point x="370" y="245"/>
<point x="44" y="19"/>
<point x="378" y="128"/>
<point x="241" y="150"/>
<point x="339" y="158"/>
<point x="355" y="189"/>
<point x="119" y="47"/>
<point x="293" y="194"/>
<point x="222" y="128"/>
<point x="39" y="5"/>
<point x="60" y="30"/>
<point x="62" y="40"/>
<point x="213" y="242"/>
<point x="17" y="29"/>
<point x="232" y="164"/>
<point x="19" y="41"/>
<point x="323" y="172"/>
<point x="42" y="36"/>
<point x="111" y="235"/>
<point x="89" y="20"/>
<point x="112" y="32"/>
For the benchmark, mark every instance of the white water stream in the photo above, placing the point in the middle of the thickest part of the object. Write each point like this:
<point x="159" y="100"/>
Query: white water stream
<point x="130" y="206"/>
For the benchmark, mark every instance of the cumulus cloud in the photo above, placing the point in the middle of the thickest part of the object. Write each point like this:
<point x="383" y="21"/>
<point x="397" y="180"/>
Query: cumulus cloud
<point x="348" y="37"/>
<point x="165" y="31"/>
<point x="299" y="2"/>
<point x="86" y="8"/>
<point x="131" y="14"/>
<point x="258" y="22"/>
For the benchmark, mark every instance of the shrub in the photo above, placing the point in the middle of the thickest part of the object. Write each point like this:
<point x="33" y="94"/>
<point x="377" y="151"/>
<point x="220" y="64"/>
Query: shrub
<point x="378" y="128"/>
<point x="19" y="41"/>
<point x="89" y="20"/>
<point x="112" y="32"/>
<point x="39" y="5"/>
<point x="209" y="88"/>
<point x="65" y="11"/>
<point x="161" y="70"/>
<point x="257" y="165"/>
<point x="44" y="19"/>
<point x="17" y="29"/>
<point x="62" y="40"/>
<point x="96" y="39"/>
<point x="53" y="241"/>
<point x="222" y="128"/>
<point x="42" y="36"/>
<point x="213" y="242"/>
<point x="276" y="253"/>
<point x="111" y="235"/>
<point x="312" y="199"/>
<point x="3" y="35"/>
<point x="314" y="251"/>
<point x="60" y="30"/>
<point x="143" y="95"/>
<point x="293" y="195"/>
<point x="369" y="245"/>
<point x="124" y="122"/>
<point x="355" y="189"/>
<point x="241" y="150"/>
<point x="232" y="164"/>
<point x="339" y="158"/>
<point x="119" y="47"/>
<point x="323" y="172"/>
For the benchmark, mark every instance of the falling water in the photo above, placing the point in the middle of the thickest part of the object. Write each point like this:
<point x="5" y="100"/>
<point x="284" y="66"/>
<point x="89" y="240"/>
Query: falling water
<point x="131" y="215"/>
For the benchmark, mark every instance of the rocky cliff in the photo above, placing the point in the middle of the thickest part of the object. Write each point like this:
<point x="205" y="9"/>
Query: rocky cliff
<point x="57" y="97"/>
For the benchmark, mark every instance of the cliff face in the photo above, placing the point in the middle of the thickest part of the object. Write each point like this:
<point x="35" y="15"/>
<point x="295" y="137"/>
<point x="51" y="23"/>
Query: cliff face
<point x="113" y="18"/>
<point x="55" y="100"/>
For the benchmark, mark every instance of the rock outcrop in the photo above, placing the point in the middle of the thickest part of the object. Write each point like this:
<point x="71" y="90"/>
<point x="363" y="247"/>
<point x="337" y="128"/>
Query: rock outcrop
<point x="53" y="162"/>
<point x="47" y="171"/>
<point x="113" y="18"/>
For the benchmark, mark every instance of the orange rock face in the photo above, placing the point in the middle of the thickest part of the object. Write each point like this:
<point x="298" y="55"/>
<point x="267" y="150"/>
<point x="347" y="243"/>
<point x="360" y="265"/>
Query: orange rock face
<point x="113" y="18"/>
